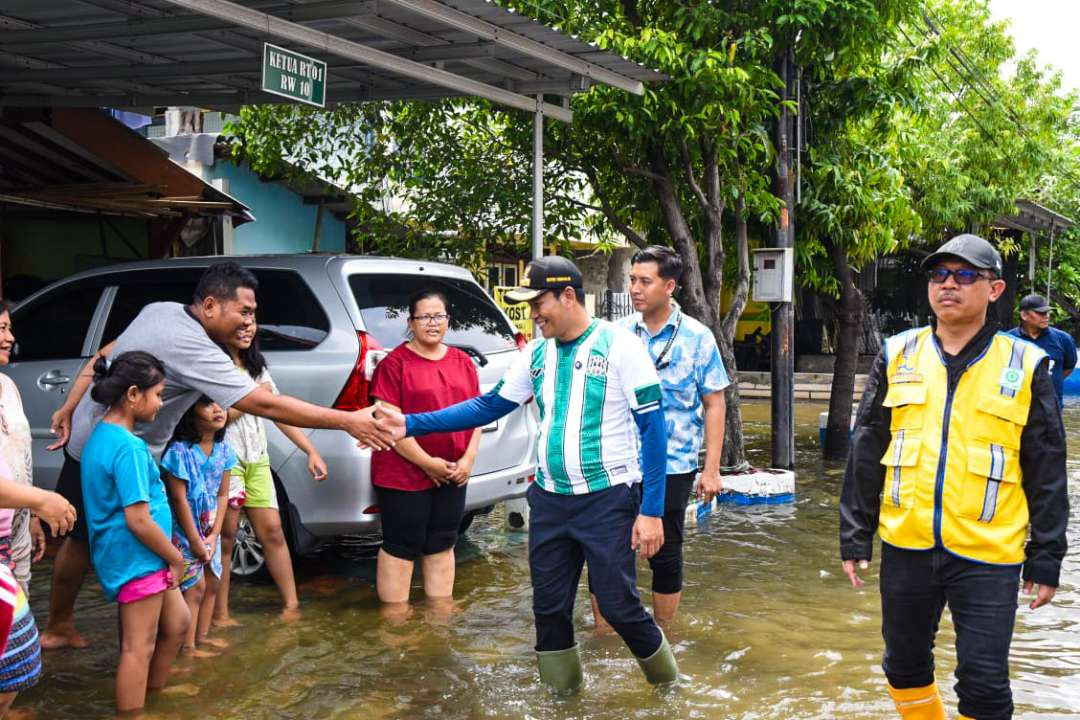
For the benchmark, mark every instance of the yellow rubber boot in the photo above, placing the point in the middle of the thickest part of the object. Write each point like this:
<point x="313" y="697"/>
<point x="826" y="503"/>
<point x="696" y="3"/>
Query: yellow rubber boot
<point x="921" y="703"/>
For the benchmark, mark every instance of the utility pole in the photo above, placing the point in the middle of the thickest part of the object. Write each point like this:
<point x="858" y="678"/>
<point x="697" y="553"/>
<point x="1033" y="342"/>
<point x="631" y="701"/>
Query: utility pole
<point x="538" y="181"/>
<point x="783" y="314"/>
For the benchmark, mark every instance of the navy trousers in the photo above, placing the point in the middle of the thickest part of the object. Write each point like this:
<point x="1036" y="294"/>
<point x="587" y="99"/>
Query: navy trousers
<point x="915" y="587"/>
<point x="565" y="531"/>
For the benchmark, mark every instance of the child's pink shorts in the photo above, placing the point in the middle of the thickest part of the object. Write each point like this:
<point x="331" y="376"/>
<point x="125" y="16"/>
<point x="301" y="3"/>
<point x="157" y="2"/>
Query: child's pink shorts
<point x="144" y="587"/>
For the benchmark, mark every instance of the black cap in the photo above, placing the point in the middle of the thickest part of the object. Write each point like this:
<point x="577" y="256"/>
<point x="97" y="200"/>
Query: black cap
<point x="1034" y="303"/>
<point x="972" y="249"/>
<point x="550" y="272"/>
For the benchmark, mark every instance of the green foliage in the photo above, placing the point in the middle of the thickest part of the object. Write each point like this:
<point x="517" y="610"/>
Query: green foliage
<point x="915" y="133"/>
<point x="447" y="180"/>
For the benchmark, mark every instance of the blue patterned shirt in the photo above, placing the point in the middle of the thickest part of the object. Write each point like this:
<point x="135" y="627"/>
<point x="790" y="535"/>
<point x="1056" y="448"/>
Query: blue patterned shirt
<point x="690" y="369"/>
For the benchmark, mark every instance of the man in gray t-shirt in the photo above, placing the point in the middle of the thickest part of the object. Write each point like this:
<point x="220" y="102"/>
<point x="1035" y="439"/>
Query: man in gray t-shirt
<point x="188" y="340"/>
<point x="194" y="366"/>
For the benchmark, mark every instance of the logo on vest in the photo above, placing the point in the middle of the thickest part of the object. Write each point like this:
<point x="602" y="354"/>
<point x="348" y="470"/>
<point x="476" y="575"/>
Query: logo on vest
<point x="905" y="376"/>
<point x="906" y="372"/>
<point x="1011" y="379"/>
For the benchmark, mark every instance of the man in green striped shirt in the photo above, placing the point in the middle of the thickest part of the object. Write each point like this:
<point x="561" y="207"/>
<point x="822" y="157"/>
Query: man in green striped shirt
<point x="599" y="491"/>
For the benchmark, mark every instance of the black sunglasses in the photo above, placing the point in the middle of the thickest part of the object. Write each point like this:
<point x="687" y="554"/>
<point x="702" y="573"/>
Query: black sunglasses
<point x="963" y="276"/>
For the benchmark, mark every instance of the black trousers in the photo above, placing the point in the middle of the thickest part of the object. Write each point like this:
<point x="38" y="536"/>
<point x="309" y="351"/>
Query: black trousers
<point x="916" y="585"/>
<point x="667" y="563"/>
<point x="565" y="531"/>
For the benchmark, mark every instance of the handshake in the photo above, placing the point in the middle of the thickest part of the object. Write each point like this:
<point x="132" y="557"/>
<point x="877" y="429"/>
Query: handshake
<point x="376" y="428"/>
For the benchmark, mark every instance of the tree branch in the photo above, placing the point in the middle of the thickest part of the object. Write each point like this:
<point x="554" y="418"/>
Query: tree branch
<point x="629" y="169"/>
<point x="712" y="173"/>
<point x="642" y="172"/>
<point x="609" y="212"/>
<point x="688" y="169"/>
<point x="579" y="203"/>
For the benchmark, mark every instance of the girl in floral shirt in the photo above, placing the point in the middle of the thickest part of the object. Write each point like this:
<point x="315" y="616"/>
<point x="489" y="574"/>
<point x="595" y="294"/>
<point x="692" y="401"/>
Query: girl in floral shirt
<point x="197" y="465"/>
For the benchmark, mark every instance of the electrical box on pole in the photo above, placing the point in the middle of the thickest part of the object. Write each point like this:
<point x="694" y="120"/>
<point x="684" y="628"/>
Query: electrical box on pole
<point x="774" y="274"/>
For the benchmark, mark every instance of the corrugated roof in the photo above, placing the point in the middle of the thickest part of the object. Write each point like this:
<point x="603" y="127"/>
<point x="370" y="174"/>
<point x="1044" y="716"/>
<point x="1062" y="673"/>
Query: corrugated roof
<point x="145" y="53"/>
<point x="1034" y="218"/>
<point x="80" y="159"/>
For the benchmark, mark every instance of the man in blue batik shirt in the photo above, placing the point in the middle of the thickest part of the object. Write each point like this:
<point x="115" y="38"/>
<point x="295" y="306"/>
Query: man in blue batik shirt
<point x="692" y="382"/>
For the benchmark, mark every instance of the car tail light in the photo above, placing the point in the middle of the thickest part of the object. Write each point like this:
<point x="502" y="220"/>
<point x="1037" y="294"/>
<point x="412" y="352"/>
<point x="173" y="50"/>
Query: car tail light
<point x="532" y="479"/>
<point x="356" y="393"/>
<point x="371" y="510"/>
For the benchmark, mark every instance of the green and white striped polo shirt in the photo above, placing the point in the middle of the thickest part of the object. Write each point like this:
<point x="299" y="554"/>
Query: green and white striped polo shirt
<point x="587" y="391"/>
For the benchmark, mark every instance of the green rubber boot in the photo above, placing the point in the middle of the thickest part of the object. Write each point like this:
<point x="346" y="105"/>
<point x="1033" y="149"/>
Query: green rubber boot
<point x="561" y="669"/>
<point x="660" y="667"/>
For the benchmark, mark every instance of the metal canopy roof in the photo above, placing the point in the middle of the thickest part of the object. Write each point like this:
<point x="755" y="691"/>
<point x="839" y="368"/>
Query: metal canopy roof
<point x="208" y="53"/>
<point x="1034" y="218"/>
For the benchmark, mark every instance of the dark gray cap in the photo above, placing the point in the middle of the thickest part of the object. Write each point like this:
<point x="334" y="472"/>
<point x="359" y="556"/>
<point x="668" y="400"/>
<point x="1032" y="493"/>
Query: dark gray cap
<point x="1035" y="303"/>
<point x="972" y="249"/>
<point x="550" y="272"/>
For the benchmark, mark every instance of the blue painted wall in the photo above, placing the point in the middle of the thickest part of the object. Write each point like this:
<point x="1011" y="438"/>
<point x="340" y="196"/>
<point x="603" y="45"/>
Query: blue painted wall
<point x="283" y="223"/>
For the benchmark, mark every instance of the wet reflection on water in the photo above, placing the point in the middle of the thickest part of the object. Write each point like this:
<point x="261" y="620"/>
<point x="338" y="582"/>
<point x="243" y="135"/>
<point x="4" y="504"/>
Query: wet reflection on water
<point x="769" y="628"/>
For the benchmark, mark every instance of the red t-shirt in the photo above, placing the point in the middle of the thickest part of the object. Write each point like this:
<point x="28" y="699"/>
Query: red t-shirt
<point x="416" y="384"/>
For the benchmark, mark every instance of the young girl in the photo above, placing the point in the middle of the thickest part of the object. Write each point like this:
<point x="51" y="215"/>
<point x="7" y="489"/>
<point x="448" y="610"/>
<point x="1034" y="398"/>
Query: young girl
<point x="128" y="519"/>
<point x="197" y="465"/>
<point x="253" y="485"/>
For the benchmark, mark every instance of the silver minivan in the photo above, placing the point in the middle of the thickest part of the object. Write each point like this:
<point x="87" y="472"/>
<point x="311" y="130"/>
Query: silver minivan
<point x="325" y="321"/>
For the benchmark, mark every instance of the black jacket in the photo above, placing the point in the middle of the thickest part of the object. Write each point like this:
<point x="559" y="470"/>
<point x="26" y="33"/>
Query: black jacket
<point x="1042" y="461"/>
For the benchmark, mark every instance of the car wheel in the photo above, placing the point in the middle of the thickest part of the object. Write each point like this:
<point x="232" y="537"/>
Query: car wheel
<point x="247" y="557"/>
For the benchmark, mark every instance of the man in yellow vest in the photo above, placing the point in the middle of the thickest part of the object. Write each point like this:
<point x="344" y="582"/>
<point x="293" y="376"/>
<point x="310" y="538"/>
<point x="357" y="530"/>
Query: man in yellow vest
<point x="958" y="461"/>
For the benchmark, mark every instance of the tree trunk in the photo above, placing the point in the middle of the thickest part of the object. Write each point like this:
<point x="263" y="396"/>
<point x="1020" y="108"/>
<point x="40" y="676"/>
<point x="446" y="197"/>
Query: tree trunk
<point x="699" y="294"/>
<point x="692" y="297"/>
<point x="734" y="454"/>
<point x="849" y="317"/>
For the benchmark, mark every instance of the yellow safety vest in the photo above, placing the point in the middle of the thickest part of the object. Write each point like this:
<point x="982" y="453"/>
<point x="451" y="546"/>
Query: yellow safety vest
<point x="952" y="468"/>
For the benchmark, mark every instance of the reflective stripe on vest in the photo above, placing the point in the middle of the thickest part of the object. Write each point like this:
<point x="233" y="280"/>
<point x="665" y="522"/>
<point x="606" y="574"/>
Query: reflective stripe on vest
<point x="975" y="485"/>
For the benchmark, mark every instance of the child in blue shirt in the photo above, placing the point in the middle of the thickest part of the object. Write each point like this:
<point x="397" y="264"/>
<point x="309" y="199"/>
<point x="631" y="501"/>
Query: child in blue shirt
<point x="197" y="465"/>
<point x="129" y="525"/>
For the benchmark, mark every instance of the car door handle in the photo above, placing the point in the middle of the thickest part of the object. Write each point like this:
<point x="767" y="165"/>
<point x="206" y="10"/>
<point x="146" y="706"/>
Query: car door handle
<point x="51" y="379"/>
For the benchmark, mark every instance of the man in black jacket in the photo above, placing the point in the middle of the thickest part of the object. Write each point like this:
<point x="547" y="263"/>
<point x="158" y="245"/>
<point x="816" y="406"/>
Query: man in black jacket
<point x="958" y="456"/>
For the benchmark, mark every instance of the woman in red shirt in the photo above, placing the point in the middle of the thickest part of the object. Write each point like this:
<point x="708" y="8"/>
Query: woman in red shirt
<point x="420" y="483"/>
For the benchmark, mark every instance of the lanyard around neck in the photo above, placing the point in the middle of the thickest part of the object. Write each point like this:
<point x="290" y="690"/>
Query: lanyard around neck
<point x="658" y="363"/>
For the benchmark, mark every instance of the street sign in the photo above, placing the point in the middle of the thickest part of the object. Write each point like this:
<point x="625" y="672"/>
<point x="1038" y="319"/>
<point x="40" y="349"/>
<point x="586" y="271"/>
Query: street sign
<point x="292" y="75"/>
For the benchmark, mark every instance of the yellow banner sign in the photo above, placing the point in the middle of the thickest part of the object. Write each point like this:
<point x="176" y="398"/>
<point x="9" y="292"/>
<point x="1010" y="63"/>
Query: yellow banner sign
<point x="517" y="312"/>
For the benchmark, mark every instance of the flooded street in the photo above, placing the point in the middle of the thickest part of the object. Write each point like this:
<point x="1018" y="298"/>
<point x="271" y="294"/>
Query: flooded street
<point x="769" y="628"/>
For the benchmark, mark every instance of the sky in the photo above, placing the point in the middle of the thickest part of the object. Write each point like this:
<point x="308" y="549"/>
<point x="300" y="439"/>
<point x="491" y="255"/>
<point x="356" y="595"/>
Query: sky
<point x="1048" y="26"/>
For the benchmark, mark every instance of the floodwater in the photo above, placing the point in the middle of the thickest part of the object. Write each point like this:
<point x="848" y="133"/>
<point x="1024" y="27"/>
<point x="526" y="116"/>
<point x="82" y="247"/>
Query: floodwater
<point x="769" y="628"/>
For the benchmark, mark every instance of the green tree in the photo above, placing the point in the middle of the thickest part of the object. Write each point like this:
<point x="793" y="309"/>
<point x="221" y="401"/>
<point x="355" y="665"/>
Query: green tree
<point x="926" y="138"/>
<point x="692" y="157"/>
<point x="856" y="206"/>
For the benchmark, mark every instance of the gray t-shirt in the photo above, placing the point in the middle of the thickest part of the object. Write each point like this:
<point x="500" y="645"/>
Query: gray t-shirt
<point x="194" y="366"/>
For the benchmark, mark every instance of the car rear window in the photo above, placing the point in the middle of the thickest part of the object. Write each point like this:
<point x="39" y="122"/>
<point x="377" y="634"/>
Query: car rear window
<point x="475" y="320"/>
